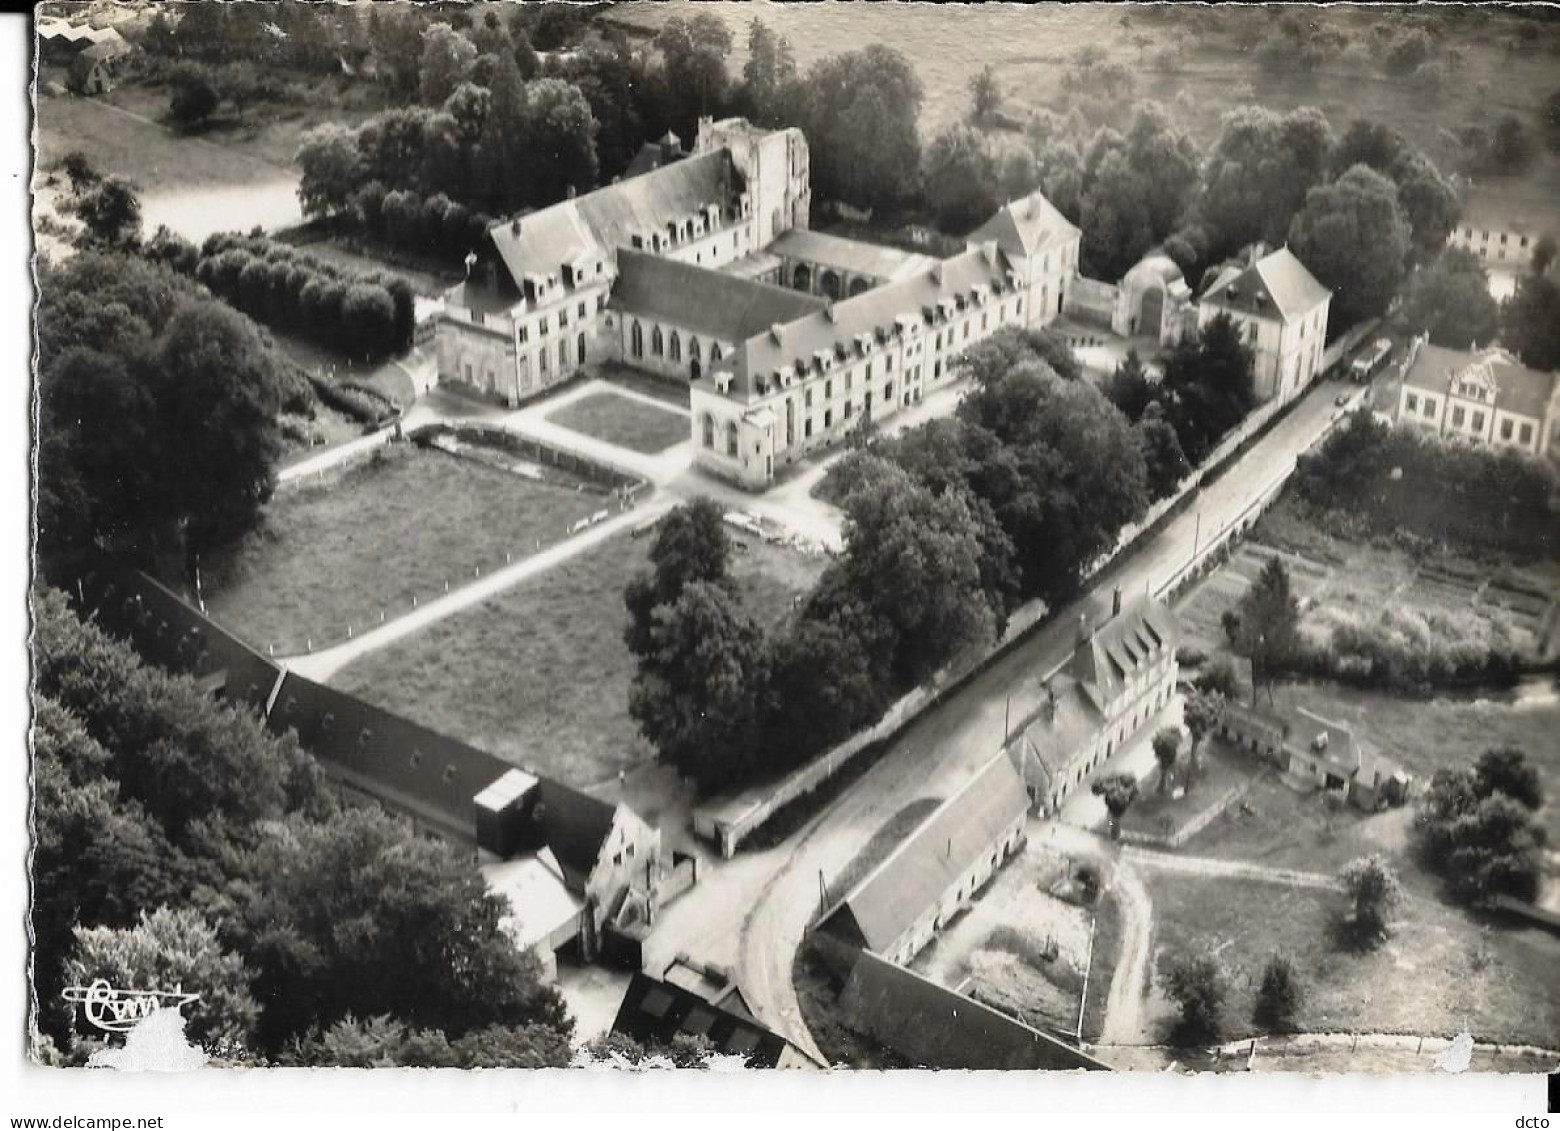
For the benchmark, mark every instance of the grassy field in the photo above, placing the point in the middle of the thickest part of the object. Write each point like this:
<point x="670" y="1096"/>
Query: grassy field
<point x="1289" y="830"/>
<point x="373" y="536"/>
<point x="1439" y="972"/>
<point x="623" y="421"/>
<point x="540" y="673"/>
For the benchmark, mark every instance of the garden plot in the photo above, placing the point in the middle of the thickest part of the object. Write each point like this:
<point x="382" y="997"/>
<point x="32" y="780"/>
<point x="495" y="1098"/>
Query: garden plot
<point x="1018" y="948"/>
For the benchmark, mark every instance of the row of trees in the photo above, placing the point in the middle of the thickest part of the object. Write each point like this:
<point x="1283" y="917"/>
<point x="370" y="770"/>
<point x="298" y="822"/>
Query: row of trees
<point x="1477" y="827"/>
<point x="365" y="316"/>
<point x="178" y="842"/>
<point x="1369" y="476"/>
<point x="948" y="527"/>
<point x="157" y="428"/>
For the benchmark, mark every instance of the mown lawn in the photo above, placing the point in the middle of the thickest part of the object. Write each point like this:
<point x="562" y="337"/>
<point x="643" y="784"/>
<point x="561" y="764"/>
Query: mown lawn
<point x="540" y="673"/>
<point x="371" y="537"/>
<point x="1440" y="971"/>
<point x="623" y="421"/>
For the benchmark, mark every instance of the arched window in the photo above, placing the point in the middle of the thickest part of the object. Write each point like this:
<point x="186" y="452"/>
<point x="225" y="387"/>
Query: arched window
<point x="693" y="349"/>
<point x="731" y="438"/>
<point x="676" y="350"/>
<point x="657" y="345"/>
<point x="709" y="431"/>
<point x="637" y="340"/>
<point x="715" y="352"/>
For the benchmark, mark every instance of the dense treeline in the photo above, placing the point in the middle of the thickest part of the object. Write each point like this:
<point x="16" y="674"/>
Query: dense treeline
<point x="364" y="316"/>
<point x="157" y="419"/>
<point x="947" y="528"/>
<point x="1370" y="477"/>
<point x="180" y="842"/>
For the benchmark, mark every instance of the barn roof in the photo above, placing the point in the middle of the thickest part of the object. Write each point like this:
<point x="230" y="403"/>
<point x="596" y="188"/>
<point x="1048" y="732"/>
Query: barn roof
<point x="710" y="302"/>
<point x="926" y="864"/>
<point x="934" y="1027"/>
<point x="654" y="1010"/>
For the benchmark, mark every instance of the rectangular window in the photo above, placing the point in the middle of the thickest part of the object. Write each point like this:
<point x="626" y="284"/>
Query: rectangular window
<point x="938" y="343"/>
<point x="601" y="303"/>
<point x="850" y="409"/>
<point x="1526" y="434"/>
<point x="1412" y="402"/>
<point x="888" y="391"/>
<point x="807" y="429"/>
<point x="1018" y="307"/>
<point x="1478" y="422"/>
<point x="890" y="362"/>
<point x="936" y="370"/>
<point x="1484" y="236"/>
<point x="1429" y="408"/>
<point x="1457" y="417"/>
<point x="525" y="334"/>
<point x="828" y="418"/>
<point x="1522" y="242"/>
<point x="1505" y="429"/>
<point x="808" y="398"/>
<point x="563" y="319"/>
<point x="828" y="390"/>
<point x="984" y="318"/>
<point x="849" y="378"/>
<point x="542" y="326"/>
<point x="582" y="310"/>
<point x="1503" y="237"/>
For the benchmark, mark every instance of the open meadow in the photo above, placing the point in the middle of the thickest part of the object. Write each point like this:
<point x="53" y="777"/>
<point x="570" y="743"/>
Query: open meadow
<point x="540" y="674"/>
<point x="1440" y="972"/>
<point x="371" y="537"/>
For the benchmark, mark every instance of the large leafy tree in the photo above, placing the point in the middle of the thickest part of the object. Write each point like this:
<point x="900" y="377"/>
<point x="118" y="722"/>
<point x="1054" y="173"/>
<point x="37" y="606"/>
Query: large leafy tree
<point x="1451" y="301"/>
<point x="560" y="140"/>
<point x="1163" y="460"/>
<point x="960" y="178"/>
<point x="860" y="112"/>
<point x="170" y="948"/>
<point x="1354" y="237"/>
<point x="111" y="212"/>
<point x="1530" y="321"/>
<point x="1374" y="892"/>
<point x="446" y="61"/>
<point x="1476" y="826"/>
<point x="332" y="169"/>
<point x="1258" y="172"/>
<point x="1118" y="792"/>
<point x="1208" y="386"/>
<point x="769" y="79"/>
<point x="693" y="53"/>
<point x="1266" y="625"/>
<point x="1198" y="986"/>
<point x="700" y="696"/>
<point x="690" y="545"/>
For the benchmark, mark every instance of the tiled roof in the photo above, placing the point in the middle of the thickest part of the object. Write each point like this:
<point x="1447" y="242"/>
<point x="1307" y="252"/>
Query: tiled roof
<point x="1025" y="226"/>
<point x="866" y="314"/>
<point x="704" y="300"/>
<point x="1518" y="389"/>
<point x="1119" y="647"/>
<point x="854" y="256"/>
<point x="959" y="831"/>
<point x="1278" y="285"/>
<point x="932" y="1026"/>
<point x="657" y="1011"/>
<point x="608" y="217"/>
<point x="1055" y="737"/>
<point x="652" y="156"/>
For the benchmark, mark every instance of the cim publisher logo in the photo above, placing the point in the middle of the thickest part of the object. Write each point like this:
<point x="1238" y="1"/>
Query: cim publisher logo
<point x="118" y="1011"/>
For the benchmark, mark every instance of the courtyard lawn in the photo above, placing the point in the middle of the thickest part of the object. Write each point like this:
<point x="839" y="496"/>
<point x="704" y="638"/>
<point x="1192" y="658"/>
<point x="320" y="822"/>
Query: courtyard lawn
<point x="1439" y="972"/>
<point x="1162" y="814"/>
<point x="334" y="553"/>
<point x="624" y="421"/>
<point x="539" y="674"/>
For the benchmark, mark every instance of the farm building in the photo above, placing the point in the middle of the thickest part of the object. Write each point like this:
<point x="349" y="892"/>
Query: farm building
<point x="1316" y="752"/>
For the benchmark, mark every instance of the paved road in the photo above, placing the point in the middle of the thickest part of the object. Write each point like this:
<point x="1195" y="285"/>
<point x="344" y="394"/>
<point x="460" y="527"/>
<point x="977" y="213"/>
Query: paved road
<point x="941" y="749"/>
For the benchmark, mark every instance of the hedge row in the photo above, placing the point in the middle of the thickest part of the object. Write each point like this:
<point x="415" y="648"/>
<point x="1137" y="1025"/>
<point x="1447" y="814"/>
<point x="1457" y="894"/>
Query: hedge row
<point x="367" y="317"/>
<point x="434" y="224"/>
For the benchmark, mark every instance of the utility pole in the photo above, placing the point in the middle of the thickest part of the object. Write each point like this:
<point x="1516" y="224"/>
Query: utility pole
<point x="1007" y="715"/>
<point x="1197" y="534"/>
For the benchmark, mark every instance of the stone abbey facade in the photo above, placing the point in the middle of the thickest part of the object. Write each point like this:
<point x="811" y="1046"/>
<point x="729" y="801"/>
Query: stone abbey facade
<point x="703" y="270"/>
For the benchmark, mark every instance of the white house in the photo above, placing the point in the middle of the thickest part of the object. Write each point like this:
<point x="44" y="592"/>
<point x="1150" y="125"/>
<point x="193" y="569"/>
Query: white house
<point x="1281" y="312"/>
<point x="1480" y="397"/>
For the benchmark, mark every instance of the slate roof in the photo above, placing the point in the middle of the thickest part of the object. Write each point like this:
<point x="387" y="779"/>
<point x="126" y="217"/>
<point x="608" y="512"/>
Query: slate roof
<point x="1115" y="650"/>
<point x="1521" y="390"/>
<point x="840" y="324"/>
<point x="653" y="1010"/>
<point x="854" y="256"/>
<point x="1026" y="226"/>
<point x="607" y="218"/>
<point x="933" y="1027"/>
<point x="710" y="302"/>
<point x="1278" y="285"/>
<point x="652" y="156"/>
<point x="879" y="909"/>
<point x="1053" y="739"/>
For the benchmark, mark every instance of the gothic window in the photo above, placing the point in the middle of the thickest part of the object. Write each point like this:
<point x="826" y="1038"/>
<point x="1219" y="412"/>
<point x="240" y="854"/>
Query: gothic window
<point x="676" y="350"/>
<point x="638" y="340"/>
<point x="657" y="344"/>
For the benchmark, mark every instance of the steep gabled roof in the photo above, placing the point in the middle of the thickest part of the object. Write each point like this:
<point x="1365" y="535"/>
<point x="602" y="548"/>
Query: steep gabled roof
<point x="963" y="828"/>
<point x="843" y="322"/>
<point x="710" y="302"/>
<point x="1275" y="286"/>
<point x="1025" y="226"/>
<point x="1518" y="389"/>
<point x="608" y="217"/>
<point x="653" y="1010"/>
<point x="1105" y="662"/>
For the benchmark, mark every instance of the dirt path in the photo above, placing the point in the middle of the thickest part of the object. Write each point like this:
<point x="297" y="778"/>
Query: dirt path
<point x="323" y="664"/>
<point x="1230" y="869"/>
<point x="1126" y="1015"/>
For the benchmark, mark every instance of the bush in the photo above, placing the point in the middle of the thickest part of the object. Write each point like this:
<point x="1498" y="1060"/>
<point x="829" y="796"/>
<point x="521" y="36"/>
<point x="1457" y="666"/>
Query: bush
<point x="1278" y="996"/>
<point x="1198" y="987"/>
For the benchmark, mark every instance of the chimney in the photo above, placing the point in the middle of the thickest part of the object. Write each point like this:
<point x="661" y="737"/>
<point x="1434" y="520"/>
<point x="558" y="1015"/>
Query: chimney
<point x="570" y="192"/>
<point x="514" y="226"/>
<point x="1085" y="629"/>
<point x="1115" y="602"/>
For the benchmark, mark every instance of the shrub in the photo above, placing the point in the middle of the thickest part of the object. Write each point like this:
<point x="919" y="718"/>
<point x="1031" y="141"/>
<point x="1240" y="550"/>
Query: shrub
<point x="1198" y="987"/>
<point x="1278" y="996"/>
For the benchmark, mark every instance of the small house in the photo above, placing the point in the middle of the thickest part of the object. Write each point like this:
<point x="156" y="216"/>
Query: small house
<point x="1318" y="752"/>
<point x="657" y="1010"/>
<point x="96" y="69"/>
